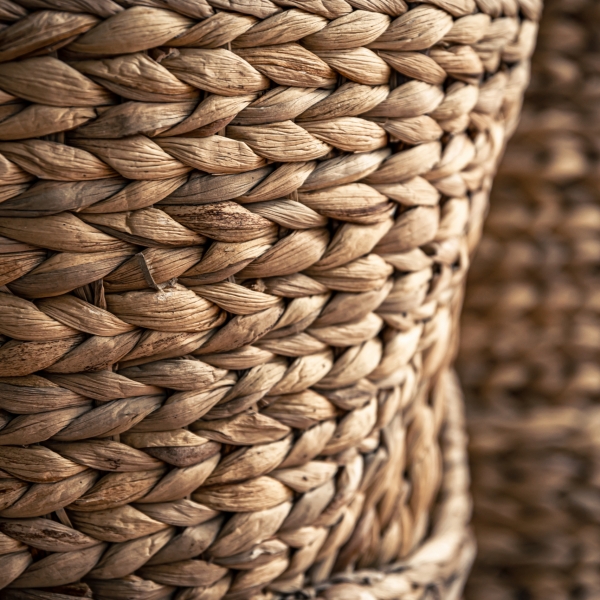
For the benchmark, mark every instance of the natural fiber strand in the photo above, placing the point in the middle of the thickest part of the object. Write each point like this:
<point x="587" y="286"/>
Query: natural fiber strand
<point x="530" y="340"/>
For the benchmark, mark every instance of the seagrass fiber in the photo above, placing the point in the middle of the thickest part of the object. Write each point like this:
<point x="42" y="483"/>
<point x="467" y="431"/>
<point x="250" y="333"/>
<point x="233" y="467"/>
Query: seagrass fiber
<point x="530" y="353"/>
<point x="233" y="237"/>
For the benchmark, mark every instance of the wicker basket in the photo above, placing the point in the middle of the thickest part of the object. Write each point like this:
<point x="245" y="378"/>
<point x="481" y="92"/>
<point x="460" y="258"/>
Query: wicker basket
<point x="534" y="292"/>
<point x="437" y="569"/>
<point x="233" y="236"/>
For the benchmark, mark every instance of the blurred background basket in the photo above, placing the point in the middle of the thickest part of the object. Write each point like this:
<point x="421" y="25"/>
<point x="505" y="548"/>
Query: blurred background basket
<point x="233" y="239"/>
<point x="530" y="357"/>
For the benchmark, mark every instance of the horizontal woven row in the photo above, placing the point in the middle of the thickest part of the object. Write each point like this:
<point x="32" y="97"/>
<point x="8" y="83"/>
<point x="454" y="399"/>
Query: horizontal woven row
<point x="447" y="554"/>
<point x="233" y="236"/>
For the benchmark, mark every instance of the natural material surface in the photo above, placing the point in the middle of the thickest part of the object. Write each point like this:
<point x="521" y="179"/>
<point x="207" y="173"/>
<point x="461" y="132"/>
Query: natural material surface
<point x="530" y="357"/>
<point x="233" y="235"/>
<point x="438" y="567"/>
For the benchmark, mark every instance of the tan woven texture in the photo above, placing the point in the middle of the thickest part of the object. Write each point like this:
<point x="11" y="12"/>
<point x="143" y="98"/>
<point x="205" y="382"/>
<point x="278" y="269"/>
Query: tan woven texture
<point x="531" y="333"/>
<point x="232" y="238"/>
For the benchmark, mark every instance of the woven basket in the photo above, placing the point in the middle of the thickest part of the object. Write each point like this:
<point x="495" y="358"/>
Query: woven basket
<point x="534" y="292"/>
<point x="234" y="235"/>
<point x="437" y="569"/>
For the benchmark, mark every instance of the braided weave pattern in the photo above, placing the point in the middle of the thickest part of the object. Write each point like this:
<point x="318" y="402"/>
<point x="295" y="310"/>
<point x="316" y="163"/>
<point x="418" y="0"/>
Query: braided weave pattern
<point x="530" y="354"/>
<point x="232" y="234"/>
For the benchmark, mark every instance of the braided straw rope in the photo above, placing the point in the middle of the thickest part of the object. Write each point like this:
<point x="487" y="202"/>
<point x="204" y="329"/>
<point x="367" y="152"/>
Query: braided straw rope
<point x="531" y="334"/>
<point x="438" y="569"/>
<point x="232" y="237"/>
